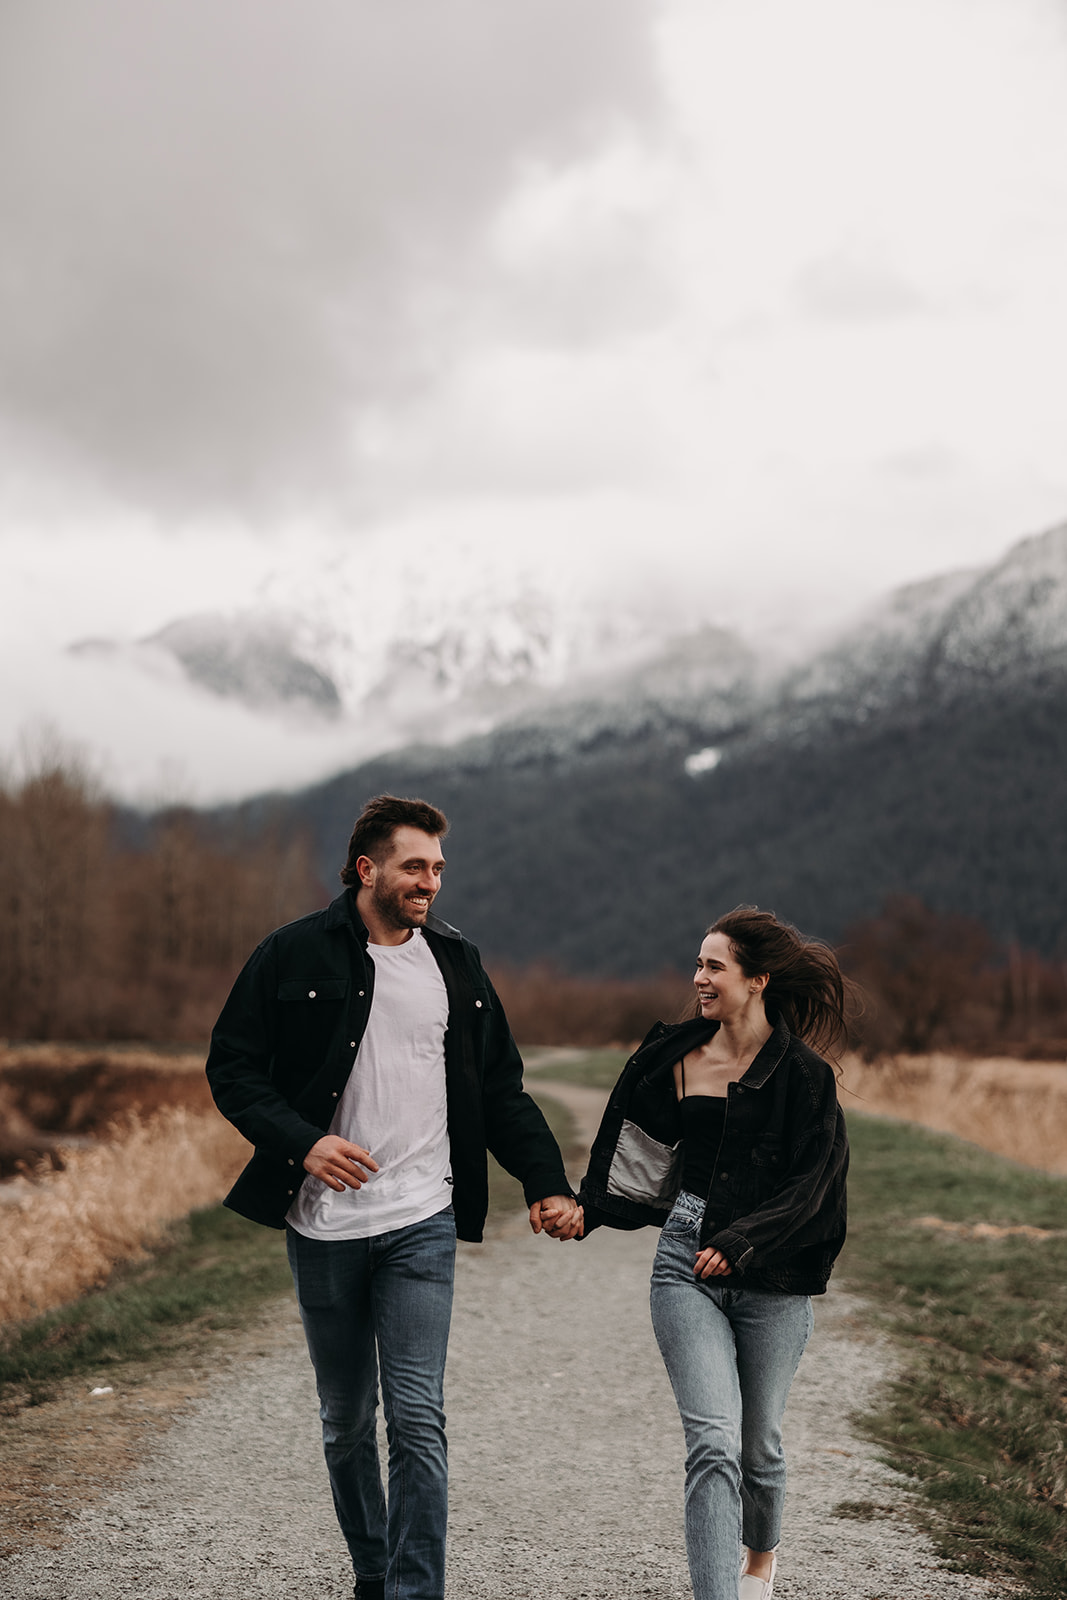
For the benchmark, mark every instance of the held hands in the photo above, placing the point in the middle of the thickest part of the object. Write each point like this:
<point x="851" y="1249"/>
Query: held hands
<point x="712" y="1264"/>
<point x="339" y="1163"/>
<point x="560" y="1216"/>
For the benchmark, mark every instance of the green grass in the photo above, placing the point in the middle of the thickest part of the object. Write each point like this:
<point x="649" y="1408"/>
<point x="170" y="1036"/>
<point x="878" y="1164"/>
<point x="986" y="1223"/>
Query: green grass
<point x="978" y="1415"/>
<point x="212" y="1271"/>
<point x="597" y="1069"/>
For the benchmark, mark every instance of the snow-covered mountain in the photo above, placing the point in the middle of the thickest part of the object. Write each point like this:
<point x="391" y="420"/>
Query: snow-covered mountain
<point x="928" y="644"/>
<point x="953" y="636"/>
<point x="333" y="659"/>
<point x="923" y="752"/>
<point x="337" y="653"/>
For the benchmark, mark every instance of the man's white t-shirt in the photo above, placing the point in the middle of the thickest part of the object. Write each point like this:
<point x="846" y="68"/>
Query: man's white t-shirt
<point x="393" y="1105"/>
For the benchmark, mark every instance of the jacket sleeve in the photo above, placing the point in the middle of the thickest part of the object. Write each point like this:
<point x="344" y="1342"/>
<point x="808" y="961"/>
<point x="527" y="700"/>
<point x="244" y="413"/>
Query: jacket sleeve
<point x="239" y="1064"/>
<point x="515" y="1128"/>
<point x="817" y="1164"/>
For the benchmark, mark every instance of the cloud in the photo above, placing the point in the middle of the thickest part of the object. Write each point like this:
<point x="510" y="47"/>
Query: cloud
<point x="854" y="285"/>
<point x="707" y="273"/>
<point x="238" y="231"/>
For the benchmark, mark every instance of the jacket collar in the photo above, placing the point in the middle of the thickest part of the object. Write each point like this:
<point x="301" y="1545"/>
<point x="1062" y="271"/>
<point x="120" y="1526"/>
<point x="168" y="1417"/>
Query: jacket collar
<point x="694" y="1032"/>
<point x="768" y="1056"/>
<point x="343" y="911"/>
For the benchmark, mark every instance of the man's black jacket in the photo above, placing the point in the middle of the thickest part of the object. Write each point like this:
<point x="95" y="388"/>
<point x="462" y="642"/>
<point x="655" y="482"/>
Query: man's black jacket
<point x="286" y="1041"/>
<point x="776" y="1205"/>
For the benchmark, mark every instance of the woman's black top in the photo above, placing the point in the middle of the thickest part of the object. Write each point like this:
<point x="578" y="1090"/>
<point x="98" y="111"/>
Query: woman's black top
<point x="703" y="1119"/>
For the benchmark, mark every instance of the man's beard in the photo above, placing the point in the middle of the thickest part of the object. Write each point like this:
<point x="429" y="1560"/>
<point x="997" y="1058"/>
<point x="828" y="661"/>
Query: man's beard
<point x="394" y="910"/>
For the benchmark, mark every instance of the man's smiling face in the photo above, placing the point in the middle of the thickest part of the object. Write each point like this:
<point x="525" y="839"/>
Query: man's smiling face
<point x="403" y="884"/>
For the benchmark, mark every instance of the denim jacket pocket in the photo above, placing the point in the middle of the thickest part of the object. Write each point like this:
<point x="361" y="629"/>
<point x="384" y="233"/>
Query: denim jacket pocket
<point x="767" y="1154"/>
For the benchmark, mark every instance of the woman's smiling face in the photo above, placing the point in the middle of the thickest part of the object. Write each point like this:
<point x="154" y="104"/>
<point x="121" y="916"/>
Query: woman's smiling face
<point x="722" y="988"/>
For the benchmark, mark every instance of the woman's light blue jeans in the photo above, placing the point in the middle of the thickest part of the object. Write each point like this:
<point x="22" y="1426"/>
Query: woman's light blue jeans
<point x="384" y="1302"/>
<point x="731" y="1354"/>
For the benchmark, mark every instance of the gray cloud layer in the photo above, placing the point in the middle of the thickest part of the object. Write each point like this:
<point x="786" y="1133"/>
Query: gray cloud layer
<point x="231" y="226"/>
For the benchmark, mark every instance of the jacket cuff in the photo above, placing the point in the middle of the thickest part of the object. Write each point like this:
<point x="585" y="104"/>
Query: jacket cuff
<point x="300" y="1139"/>
<point x="734" y="1246"/>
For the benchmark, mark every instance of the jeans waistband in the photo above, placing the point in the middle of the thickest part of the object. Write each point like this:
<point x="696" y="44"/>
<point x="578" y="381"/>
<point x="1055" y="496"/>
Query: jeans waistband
<point x="691" y="1204"/>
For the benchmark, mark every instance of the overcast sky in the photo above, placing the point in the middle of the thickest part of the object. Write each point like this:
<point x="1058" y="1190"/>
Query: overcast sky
<point x="771" y="296"/>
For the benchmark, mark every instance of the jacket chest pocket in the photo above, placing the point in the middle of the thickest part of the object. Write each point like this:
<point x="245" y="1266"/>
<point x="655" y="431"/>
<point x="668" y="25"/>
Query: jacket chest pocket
<point x="768" y="1155"/>
<point x="310" y="1011"/>
<point x="755" y="1176"/>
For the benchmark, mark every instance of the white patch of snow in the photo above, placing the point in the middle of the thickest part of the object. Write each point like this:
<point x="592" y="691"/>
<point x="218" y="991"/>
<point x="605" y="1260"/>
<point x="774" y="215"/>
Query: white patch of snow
<point x="702" y="761"/>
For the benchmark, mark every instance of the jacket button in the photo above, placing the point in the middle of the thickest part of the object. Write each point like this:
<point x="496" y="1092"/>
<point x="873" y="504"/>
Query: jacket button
<point x="311" y="994"/>
<point x="724" y="1175"/>
<point x="351" y="1044"/>
<point x="335" y="1094"/>
<point x="478" y="1003"/>
<point x="292" y="1163"/>
<point x="362" y="992"/>
<point x="289" y="1191"/>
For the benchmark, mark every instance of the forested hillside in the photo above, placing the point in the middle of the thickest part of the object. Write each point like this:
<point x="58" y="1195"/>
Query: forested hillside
<point x="612" y="858"/>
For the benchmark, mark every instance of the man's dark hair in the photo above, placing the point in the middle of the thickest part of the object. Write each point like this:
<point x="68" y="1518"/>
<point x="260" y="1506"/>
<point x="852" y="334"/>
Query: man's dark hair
<point x="379" y="820"/>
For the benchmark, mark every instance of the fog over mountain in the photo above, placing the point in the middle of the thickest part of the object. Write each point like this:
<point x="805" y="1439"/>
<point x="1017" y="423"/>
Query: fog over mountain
<point x="333" y="663"/>
<point x="924" y="752"/>
<point x="372" y="373"/>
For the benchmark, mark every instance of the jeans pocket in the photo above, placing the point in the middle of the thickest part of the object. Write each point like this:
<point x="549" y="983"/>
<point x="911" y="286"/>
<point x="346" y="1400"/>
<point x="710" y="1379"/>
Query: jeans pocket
<point x="681" y="1225"/>
<point x="318" y="1271"/>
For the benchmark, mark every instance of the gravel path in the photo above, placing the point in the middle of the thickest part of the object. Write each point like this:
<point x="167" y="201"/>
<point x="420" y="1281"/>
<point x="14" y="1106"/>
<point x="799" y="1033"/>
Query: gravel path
<point x="565" y="1449"/>
<point x="566" y="1461"/>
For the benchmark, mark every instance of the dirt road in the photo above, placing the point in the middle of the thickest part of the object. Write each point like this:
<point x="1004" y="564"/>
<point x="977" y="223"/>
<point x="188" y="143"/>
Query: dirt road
<point x="566" y="1457"/>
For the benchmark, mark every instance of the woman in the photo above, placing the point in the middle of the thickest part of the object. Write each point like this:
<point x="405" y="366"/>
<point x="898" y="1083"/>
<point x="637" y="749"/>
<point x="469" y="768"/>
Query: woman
<point x="726" y="1130"/>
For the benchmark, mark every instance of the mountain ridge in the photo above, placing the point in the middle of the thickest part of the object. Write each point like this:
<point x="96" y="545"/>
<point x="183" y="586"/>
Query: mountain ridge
<point x="597" y="842"/>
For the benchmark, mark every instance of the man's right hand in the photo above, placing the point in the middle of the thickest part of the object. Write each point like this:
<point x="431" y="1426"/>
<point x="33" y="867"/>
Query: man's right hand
<point x="339" y="1163"/>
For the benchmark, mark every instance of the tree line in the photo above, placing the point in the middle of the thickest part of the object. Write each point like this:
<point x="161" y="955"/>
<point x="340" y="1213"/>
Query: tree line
<point x="108" y="937"/>
<point x="101" y="939"/>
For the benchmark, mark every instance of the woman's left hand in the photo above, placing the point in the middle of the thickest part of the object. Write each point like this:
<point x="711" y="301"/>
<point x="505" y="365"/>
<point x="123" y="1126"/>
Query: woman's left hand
<point x="712" y="1264"/>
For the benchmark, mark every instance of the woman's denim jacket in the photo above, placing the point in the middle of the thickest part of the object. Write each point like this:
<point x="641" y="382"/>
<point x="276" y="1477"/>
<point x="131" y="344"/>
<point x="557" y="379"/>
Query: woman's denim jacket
<point x="776" y="1205"/>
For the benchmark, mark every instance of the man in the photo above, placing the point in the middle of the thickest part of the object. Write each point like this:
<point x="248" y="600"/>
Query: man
<point x="364" y="1053"/>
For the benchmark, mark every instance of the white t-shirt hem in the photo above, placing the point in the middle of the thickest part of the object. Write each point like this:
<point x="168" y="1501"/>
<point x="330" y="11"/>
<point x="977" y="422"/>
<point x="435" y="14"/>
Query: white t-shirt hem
<point x="358" y="1230"/>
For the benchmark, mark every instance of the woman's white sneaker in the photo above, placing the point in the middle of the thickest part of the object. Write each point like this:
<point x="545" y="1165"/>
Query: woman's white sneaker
<point x="753" y="1588"/>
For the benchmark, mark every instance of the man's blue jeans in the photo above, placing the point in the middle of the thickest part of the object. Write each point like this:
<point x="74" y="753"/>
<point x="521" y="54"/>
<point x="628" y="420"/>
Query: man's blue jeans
<point x="731" y="1354"/>
<point x="384" y="1303"/>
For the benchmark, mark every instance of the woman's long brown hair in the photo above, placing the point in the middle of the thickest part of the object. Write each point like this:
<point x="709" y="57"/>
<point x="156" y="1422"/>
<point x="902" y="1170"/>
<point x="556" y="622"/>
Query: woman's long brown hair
<point x="806" y="986"/>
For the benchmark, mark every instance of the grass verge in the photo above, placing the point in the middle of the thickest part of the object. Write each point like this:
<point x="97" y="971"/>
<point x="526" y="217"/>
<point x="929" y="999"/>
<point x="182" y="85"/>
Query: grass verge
<point x="977" y="1416"/>
<point x="212" y="1270"/>
<point x="595" y="1069"/>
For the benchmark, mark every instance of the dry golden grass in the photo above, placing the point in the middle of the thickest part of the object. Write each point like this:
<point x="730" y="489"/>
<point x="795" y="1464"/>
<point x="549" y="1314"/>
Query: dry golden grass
<point x="52" y="1054"/>
<point x="1015" y="1108"/>
<point x="55" y="1096"/>
<point x="67" y="1231"/>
